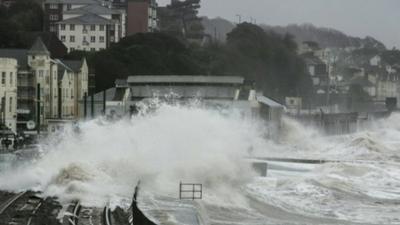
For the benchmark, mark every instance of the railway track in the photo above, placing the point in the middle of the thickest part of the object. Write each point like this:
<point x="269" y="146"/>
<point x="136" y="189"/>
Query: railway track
<point x="82" y="215"/>
<point x="20" y="209"/>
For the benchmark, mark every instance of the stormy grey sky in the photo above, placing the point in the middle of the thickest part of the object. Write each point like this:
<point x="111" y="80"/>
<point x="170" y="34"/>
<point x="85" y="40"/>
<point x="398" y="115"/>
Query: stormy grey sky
<point x="377" y="18"/>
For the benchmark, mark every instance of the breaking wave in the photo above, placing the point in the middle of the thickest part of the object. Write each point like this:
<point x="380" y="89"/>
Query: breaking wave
<point x="102" y="161"/>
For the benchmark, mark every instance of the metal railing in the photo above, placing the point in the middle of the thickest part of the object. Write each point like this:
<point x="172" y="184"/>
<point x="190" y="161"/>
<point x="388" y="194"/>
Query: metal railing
<point x="190" y="191"/>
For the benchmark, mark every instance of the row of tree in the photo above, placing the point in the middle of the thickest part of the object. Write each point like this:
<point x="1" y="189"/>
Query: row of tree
<point x="22" y="17"/>
<point x="268" y="60"/>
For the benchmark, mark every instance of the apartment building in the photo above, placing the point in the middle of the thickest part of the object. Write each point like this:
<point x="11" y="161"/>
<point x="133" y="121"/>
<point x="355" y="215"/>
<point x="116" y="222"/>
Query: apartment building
<point x="142" y="16"/>
<point x="81" y="82"/>
<point x="87" y="25"/>
<point x="88" y="32"/>
<point x="118" y="16"/>
<point x="8" y="93"/>
<point x="66" y="91"/>
<point x="54" y="9"/>
<point x="36" y="72"/>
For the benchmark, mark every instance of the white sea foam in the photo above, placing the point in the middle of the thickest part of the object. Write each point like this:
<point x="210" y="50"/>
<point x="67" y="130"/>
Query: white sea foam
<point x="104" y="160"/>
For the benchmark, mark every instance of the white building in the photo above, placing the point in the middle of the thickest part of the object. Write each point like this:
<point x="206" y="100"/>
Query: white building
<point x="89" y="32"/>
<point x="118" y="16"/>
<point x="30" y="68"/>
<point x="375" y="61"/>
<point x="8" y="92"/>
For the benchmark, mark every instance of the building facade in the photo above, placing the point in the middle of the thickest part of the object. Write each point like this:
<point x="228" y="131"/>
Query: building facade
<point x="88" y="32"/>
<point x="45" y="88"/>
<point x="8" y="92"/>
<point x="54" y="9"/>
<point x="142" y="16"/>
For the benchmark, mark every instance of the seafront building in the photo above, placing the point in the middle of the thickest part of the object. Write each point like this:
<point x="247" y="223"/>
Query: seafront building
<point x="37" y="88"/>
<point x="8" y="92"/>
<point x="219" y="92"/>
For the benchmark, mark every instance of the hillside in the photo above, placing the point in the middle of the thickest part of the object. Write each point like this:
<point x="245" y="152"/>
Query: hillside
<point x="325" y="37"/>
<point x="217" y="27"/>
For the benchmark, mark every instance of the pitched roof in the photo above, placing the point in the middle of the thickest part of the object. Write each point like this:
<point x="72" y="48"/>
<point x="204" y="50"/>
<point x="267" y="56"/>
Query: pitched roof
<point x="87" y="19"/>
<point x="94" y="9"/>
<point x="186" y="79"/>
<point x="62" y="68"/>
<point x="74" y="65"/>
<point x="56" y="47"/>
<point x="19" y="54"/>
<point x="38" y="47"/>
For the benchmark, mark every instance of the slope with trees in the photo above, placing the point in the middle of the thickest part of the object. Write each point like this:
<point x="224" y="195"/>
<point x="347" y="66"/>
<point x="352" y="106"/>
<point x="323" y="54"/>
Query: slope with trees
<point x="267" y="59"/>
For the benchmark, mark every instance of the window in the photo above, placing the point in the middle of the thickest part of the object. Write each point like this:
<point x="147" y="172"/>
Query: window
<point x="40" y="73"/>
<point x="101" y="27"/>
<point x="92" y="49"/>
<point x="3" y="78"/>
<point x="53" y="28"/>
<point x="84" y="29"/>
<point x="69" y="6"/>
<point x="101" y="39"/>
<point x="72" y="27"/>
<point x="11" y="78"/>
<point x="93" y="39"/>
<point x="72" y="94"/>
<point x="72" y="49"/>
<point x="71" y="38"/>
<point x="92" y="27"/>
<point x="62" y="37"/>
<point x="53" y="6"/>
<point x="62" y="26"/>
<point x="54" y="17"/>
<point x="11" y="102"/>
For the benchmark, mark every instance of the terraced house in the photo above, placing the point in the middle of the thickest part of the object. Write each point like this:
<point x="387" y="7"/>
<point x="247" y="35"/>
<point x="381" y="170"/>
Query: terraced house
<point x="8" y="92"/>
<point x="37" y="86"/>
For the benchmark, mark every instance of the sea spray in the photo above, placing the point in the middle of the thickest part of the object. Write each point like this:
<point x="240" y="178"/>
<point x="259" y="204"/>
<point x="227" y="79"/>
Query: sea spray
<point x="102" y="161"/>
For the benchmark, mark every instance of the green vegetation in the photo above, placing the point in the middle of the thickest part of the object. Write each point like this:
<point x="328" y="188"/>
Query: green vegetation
<point x="267" y="59"/>
<point x="391" y="57"/>
<point x="23" y="16"/>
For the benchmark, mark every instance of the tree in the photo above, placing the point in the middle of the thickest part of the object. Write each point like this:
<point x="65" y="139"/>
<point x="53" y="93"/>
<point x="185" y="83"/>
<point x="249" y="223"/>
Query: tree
<point x="141" y="54"/>
<point x="22" y="16"/>
<point x="180" y="18"/>
<point x="269" y="59"/>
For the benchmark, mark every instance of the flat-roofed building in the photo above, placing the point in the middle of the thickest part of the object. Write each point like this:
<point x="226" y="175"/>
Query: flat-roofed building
<point x="185" y="87"/>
